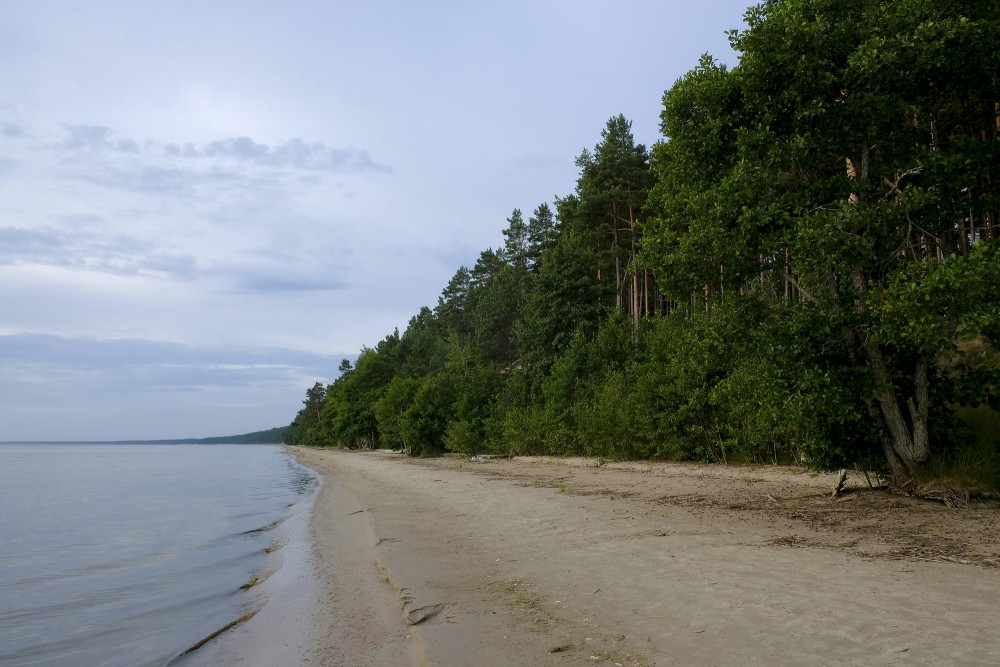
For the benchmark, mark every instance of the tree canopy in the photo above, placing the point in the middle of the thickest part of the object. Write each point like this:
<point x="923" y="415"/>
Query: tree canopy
<point x="804" y="268"/>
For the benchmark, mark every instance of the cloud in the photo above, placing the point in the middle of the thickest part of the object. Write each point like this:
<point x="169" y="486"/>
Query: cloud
<point x="12" y="130"/>
<point x="295" y="154"/>
<point x="90" y="137"/>
<point x="268" y="283"/>
<point x="139" y="388"/>
<point x="129" y="365"/>
<point x="18" y="242"/>
<point x="85" y="243"/>
<point x="156" y="179"/>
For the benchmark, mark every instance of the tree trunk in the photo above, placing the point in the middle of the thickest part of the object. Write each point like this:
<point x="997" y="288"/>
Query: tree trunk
<point x="908" y="438"/>
<point x="635" y="270"/>
<point x="905" y="441"/>
<point x="645" y="290"/>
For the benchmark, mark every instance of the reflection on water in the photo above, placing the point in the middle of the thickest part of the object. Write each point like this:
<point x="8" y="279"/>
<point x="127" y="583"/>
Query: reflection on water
<point x="129" y="554"/>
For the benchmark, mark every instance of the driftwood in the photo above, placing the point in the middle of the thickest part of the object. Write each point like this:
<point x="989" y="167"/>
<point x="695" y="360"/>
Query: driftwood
<point x="486" y="458"/>
<point x="839" y="486"/>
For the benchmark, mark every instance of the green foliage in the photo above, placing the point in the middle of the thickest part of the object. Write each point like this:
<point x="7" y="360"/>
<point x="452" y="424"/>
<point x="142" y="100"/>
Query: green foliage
<point x="929" y="306"/>
<point x="566" y="298"/>
<point x="607" y="419"/>
<point x="390" y="408"/>
<point x="433" y="407"/>
<point x="304" y="429"/>
<point x="542" y="234"/>
<point x="493" y="309"/>
<point x="452" y="310"/>
<point x="821" y="292"/>
<point x="615" y="175"/>
<point x="475" y="393"/>
<point x="463" y="437"/>
<point x="422" y="349"/>
<point x="832" y="167"/>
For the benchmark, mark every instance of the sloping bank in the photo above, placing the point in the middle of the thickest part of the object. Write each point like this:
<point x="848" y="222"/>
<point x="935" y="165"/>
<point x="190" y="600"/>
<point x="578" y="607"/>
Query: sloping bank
<point x="435" y="565"/>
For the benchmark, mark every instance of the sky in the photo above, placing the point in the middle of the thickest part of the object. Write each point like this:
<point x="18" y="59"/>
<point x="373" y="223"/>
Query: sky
<point x="205" y="206"/>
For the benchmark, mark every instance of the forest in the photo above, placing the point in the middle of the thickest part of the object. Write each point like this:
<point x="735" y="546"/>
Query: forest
<point x="804" y="269"/>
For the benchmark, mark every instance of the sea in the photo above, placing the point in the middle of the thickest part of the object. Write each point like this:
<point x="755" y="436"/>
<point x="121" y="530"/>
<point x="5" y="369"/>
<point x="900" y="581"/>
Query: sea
<point x="138" y="554"/>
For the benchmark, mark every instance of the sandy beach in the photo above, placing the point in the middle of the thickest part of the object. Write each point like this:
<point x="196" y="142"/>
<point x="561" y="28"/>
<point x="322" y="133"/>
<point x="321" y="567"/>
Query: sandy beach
<point x="571" y="561"/>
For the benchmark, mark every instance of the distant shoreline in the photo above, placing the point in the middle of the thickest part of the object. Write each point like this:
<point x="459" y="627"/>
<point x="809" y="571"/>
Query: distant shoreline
<point x="271" y="436"/>
<point x="183" y="441"/>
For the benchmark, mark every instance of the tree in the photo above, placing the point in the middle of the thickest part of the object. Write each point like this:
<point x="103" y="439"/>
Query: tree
<point x="542" y="234"/>
<point x="452" y="309"/>
<point x="515" y="248"/>
<point x="422" y="349"/>
<point x="840" y="165"/>
<point x="567" y="297"/>
<point x="612" y="189"/>
<point x="304" y="428"/>
<point x="390" y="410"/>
<point x="433" y="407"/>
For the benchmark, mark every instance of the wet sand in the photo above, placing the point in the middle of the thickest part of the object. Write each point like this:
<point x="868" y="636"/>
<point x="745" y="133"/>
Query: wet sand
<point x="541" y="562"/>
<point x="278" y="623"/>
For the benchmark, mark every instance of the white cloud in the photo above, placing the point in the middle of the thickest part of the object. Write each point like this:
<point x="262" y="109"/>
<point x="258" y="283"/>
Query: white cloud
<point x="299" y="177"/>
<point x="293" y="154"/>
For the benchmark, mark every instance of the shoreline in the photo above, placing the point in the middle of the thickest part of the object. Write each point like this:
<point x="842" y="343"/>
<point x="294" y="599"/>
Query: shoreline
<point x="275" y="628"/>
<point x="556" y="562"/>
<point x="356" y="621"/>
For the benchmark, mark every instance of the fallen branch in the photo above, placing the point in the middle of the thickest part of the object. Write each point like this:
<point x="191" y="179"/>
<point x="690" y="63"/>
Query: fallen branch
<point x="839" y="486"/>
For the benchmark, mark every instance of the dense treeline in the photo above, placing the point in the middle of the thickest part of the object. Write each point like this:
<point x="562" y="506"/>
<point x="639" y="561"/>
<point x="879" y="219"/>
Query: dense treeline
<point x="270" y="436"/>
<point x="805" y="268"/>
<point x="266" y="437"/>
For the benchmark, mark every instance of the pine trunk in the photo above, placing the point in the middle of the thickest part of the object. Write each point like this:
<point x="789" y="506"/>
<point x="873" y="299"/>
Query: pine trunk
<point x="635" y="270"/>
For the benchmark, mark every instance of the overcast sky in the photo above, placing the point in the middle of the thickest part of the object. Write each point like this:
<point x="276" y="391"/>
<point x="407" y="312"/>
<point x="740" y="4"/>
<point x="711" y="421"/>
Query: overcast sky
<point x="205" y="206"/>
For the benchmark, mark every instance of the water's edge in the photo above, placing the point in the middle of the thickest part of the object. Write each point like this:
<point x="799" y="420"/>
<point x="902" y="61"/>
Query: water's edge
<point x="276" y="628"/>
<point x="153" y="555"/>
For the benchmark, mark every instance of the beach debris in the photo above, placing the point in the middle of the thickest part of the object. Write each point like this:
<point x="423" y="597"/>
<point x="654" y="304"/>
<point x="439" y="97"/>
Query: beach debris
<point x="264" y="529"/>
<point x="256" y="579"/>
<point x="839" y="486"/>
<point x="242" y="619"/>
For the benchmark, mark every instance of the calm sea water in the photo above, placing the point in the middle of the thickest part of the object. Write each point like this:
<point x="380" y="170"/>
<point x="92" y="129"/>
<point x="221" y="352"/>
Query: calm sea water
<point x="131" y="554"/>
